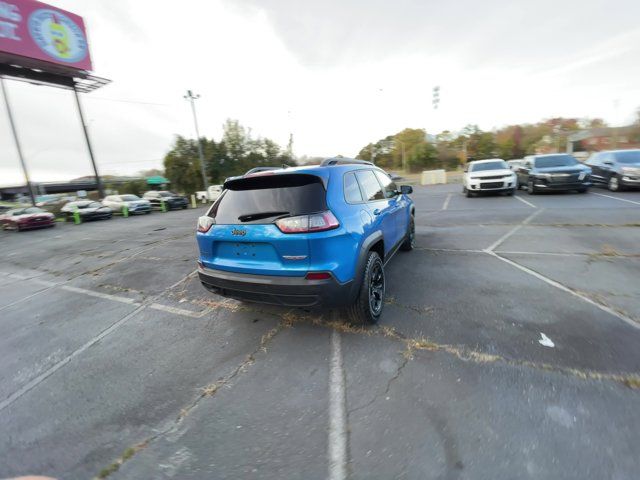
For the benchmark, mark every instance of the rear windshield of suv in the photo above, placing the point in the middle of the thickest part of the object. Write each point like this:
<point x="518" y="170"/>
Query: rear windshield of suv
<point x="262" y="199"/>
<point x="555" y="161"/>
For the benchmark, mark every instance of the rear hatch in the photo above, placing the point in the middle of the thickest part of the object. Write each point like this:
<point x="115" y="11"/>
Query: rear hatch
<point x="245" y="237"/>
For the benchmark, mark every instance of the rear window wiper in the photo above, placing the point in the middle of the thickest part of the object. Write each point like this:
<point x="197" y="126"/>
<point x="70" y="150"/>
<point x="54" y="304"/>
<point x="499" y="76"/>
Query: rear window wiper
<point x="258" y="215"/>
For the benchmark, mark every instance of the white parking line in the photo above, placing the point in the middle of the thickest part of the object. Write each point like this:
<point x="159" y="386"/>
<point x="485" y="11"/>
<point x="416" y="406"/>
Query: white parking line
<point x="616" y="198"/>
<point x="446" y="201"/>
<point x="337" y="448"/>
<point x="517" y="197"/>
<point x="105" y="296"/>
<point x="43" y="376"/>
<point x="558" y="285"/>
<point x="495" y="244"/>
<point x="179" y="311"/>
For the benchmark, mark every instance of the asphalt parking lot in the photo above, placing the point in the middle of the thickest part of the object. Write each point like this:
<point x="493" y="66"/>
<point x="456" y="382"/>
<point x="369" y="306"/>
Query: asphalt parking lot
<point x="509" y="348"/>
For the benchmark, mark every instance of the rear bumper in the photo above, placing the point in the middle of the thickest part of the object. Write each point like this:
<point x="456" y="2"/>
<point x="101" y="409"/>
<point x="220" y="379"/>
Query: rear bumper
<point x="276" y="290"/>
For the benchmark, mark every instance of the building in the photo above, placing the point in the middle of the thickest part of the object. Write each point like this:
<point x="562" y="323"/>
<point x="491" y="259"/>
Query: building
<point x="603" y="138"/>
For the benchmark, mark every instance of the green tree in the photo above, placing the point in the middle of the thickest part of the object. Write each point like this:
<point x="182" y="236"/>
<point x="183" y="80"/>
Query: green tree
<point x="182" y="166"/>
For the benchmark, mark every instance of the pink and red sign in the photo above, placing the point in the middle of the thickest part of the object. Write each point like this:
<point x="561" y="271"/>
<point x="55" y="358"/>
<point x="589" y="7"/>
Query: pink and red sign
<point x="37" y="31"/>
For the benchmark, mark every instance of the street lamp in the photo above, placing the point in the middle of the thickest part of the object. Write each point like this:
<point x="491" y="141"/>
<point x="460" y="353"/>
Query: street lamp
<point x="191" y="97"/>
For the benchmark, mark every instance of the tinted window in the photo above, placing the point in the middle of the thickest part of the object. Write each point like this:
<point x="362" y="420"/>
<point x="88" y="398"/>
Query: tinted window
<point x="481" y="167"/>
<point x="269" y="197"/>
<point x="352" y="192"/>
<point x="388" y="186"/>
<point x="555" y="161"/>
<point x="632" y="156"/>
<point x="129" y="198"/>
<point x="370" y="186"/>
<point x="33" y="210"/>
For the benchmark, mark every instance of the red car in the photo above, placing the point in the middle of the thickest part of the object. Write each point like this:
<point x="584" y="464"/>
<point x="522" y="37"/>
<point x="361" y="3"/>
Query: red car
<point x="27" y="218"/>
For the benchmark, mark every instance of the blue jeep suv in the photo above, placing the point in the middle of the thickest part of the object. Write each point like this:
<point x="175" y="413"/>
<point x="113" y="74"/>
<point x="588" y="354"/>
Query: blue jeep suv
<point x="307" y="236"/>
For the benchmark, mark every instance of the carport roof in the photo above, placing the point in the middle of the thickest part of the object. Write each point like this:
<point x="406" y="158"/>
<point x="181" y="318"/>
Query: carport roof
<point x="157" y="180"/>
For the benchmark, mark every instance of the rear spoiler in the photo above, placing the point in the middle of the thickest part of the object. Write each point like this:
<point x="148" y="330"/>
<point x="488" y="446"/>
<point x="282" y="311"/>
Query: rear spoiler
<point x="272" y="179"/>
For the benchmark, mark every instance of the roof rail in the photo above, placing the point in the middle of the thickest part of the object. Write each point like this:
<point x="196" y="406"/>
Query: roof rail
<point x="327" y="162"/>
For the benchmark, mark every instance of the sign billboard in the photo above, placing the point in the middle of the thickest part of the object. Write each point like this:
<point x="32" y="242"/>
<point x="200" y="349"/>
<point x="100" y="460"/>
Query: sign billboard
<point x="37" y="35"/>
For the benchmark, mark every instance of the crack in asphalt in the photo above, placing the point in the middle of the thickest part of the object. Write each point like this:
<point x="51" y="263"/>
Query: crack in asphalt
<point x="207" y="391"/>
<point x="414" y="344"/>
<point x="386" y="390"/>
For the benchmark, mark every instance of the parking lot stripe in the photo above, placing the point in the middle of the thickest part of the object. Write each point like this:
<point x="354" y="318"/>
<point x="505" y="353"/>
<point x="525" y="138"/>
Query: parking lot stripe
<point x="558" y="285"/>
<point x="337" y="412"/>
<point x="517" y="197"/>
<point x="104" y="296"/>
<point x="497" y="243"/>
<point x="446" y="201"/>
<point x="616" y="198"/>
<point x="179" y="311"/>
<point x="43" y="376"/>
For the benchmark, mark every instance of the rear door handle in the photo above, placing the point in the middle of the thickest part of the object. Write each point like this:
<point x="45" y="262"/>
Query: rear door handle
<point x="377" y="211"/>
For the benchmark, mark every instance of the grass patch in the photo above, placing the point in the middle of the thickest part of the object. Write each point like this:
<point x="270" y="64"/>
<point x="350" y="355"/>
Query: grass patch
<point x="116" y="464"/>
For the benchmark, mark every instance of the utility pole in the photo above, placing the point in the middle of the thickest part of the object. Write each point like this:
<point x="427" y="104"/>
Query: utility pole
<point x="191" y="97"/>
<point x="17" y="141"/>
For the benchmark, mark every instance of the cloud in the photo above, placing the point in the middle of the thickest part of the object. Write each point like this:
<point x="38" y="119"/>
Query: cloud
<point x="337" y="74"/>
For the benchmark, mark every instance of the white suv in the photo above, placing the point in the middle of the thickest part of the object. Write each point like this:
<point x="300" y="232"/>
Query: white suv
<point x="493" y="175"/>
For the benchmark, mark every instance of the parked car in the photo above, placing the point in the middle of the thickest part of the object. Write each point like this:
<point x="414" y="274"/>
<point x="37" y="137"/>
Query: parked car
<point x="515" y="164"/>
<point x="27" y="218"/>
<point x="170" y="199"/>
<point x="307" y="236"/>
<point x="214" y="192"/>
<point x="556" y="171"/>
<point x="491" y="175"/>
<point x="617" y="169"/>
<point x="134" y="203"/>
<point x="87" y="209"/>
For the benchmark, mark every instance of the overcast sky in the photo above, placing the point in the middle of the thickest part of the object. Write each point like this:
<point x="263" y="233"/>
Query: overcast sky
<point x="336" y="73"/>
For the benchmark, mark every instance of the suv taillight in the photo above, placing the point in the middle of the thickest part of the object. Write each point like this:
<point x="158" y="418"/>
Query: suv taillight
<point x="316" y="222"/>
<point x="205" y="223"/>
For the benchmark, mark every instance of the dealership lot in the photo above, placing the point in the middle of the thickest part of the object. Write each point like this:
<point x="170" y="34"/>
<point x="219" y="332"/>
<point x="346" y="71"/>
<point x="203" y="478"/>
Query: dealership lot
<point x="508" y="349"/>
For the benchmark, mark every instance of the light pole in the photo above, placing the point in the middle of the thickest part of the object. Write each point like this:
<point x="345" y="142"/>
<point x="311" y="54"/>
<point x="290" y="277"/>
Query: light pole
<point x="404" y="163"/>
<point x="191" y="97"/>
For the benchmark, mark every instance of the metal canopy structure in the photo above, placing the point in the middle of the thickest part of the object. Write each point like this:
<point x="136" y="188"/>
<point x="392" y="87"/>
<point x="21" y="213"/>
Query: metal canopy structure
<point x="83" y="84"/>
<point x="45" y="45"/>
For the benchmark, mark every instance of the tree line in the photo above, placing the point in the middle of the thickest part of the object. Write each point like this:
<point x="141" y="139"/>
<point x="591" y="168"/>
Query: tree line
<point x="234" y="154"/>
<point x="448" y="149"/>
<point x="411" y="149"/>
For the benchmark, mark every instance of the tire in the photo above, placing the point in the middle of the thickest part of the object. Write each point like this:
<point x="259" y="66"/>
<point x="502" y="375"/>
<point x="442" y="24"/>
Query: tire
<point x="511" y="192"/>
<point x="147" y="212"/>
<point x="614" y="184"/>
<point x="530" y="188"/>
<point x="364" y="311"/>
<point x="410" y="238"/>
<point x="583" y="190"/>
<point x="468" y="194"/>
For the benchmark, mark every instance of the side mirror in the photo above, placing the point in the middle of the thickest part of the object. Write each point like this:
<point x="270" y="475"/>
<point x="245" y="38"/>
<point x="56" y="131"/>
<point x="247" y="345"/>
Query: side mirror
<point x="406" y="189"/>
<point x="608" y="162"/>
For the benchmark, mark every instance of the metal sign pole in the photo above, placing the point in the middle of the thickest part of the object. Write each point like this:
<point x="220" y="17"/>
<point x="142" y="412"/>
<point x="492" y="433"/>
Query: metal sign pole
<point x="15" y="137"/>
<point x="86" y="136"/>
